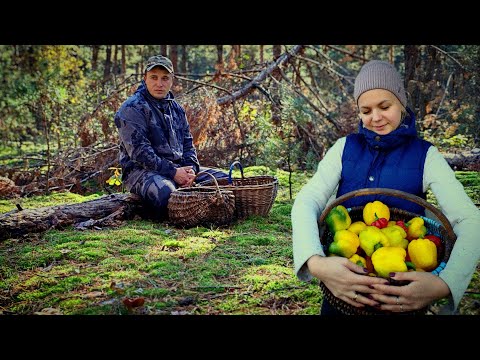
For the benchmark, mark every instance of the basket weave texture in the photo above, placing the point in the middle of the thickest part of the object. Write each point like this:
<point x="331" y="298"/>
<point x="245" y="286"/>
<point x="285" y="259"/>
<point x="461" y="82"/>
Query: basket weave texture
<point x="443" y="230"/>
<point x="254" y="195"/>
<point x="200" y="205"/>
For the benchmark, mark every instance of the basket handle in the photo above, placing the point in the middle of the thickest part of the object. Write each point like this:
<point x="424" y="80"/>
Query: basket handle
<point x="213" y="177"/>
<point x="230" y="181"/>
<point x="398" y="193"/>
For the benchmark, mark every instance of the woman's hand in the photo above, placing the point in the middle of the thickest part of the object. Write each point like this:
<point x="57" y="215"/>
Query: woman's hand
<point x="345" y="280"/>
<point x="423" y="289"/>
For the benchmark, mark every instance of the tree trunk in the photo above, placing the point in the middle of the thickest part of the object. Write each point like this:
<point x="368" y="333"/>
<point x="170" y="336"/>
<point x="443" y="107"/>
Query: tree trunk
<point x="422" y="72"/>
<point x="183" y="62"/>
<point x="233" y="57"/>
<point x="174" y="56"/>
<point x="140" y="53"/>
<point x="163" y="50"/>
<point x="108" y="63"/>
<point x="124" y="61"/>
<point x="219" y="65"/>
<point x="411" y="54"/>
<point x="277" y="104"/>
<point x="115" y="66"/>
<point x="95" y="50"/>
<point x="277" y="51"/>
<point x="106" y="210"/>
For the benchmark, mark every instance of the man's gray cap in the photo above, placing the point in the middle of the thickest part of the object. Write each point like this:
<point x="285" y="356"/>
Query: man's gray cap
<point x="159" y="60"/>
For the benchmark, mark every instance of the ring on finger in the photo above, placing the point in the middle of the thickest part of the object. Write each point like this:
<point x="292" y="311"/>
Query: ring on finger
<point x="355" y="297"/>
<point x="398" y="300"/>
<point x="401" y="307"/>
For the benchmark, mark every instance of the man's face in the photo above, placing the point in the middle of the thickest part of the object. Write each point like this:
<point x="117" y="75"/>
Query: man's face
<point x="159" y="82"/>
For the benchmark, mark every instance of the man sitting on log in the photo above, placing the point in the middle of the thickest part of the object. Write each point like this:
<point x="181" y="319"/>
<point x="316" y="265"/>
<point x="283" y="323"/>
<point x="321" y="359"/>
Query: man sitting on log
<point x="157" y="154"/>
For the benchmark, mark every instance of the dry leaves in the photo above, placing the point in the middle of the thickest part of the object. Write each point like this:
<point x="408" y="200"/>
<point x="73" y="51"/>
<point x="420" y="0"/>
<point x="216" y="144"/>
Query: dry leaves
<point x="133" y="302"/>
<point x="48" y="311"/>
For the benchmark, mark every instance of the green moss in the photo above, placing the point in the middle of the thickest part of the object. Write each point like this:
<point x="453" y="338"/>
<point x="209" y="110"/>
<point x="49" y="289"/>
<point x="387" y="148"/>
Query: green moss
<point x="132" y="251"/>
<point x="244" y="268"/>
<point x="156" y="292"/>
<point x="71" y="304"/>
<point x="112" y="263"/>
<point x="125" y="275"/>
<point x="53" y="199"/>
<point x="91" y="254"/>
<point x="279" y="210"/>
<point x="162" y="305"/>
<point x="174" y="244"/>
<point x="260" y="240"/>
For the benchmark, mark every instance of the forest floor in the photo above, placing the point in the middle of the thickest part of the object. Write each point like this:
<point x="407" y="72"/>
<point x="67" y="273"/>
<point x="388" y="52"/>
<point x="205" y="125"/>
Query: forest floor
<point x="147" y="268"/>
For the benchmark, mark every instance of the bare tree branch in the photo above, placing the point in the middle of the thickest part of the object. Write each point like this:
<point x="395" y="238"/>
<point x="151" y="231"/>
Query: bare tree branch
<point x="236" y="73"/>
<point x="444" y="94"/>
<point x="112" y="94"/>
<point x="254" y="83"/>
<point x="447" y="54"/>
<point x="346" y="52"/>
<point x="321" y="111"/>
<point x="314" y="93"/>
<point x="203" y="84"/>
<point x="346" y="77"/>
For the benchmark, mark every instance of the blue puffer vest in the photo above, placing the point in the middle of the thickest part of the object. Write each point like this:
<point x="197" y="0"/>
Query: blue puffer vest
<point x="394" y="161"/>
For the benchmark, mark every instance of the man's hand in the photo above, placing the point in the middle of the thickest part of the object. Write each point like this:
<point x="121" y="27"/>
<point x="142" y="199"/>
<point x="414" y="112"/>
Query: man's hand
<point x="184" y="176"/>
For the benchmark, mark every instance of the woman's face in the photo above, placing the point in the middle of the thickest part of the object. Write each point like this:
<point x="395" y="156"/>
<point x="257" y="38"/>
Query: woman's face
<point x="380" y="111"/>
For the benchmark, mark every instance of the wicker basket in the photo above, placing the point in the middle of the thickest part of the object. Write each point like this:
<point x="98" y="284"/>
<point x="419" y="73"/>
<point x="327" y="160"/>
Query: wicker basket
<point x="444" y="231"/>
<point x="199" y="205"/>
<point x="254" y="195"/>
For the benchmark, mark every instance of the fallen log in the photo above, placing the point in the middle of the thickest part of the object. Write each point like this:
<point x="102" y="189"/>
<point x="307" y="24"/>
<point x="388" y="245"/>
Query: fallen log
<point x="468" y="160"/>
<point x="105" y="210"/>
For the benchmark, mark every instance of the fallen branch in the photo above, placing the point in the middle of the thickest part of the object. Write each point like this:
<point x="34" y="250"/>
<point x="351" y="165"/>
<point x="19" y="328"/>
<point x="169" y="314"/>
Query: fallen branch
<point x="255" y="82"/>
<point x="203" y="84"/>
<point x="105" y="209"/>
<point x="468" y="160"/>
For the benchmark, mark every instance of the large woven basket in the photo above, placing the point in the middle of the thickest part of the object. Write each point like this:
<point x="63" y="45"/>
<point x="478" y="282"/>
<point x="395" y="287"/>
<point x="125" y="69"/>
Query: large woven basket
<point x="199" y="205"/>
<point x="254" y="195"/>
<point x="443" y="230"/>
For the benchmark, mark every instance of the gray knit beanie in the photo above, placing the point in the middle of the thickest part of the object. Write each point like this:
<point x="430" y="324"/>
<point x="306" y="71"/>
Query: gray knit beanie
<point x="378" y="74"/>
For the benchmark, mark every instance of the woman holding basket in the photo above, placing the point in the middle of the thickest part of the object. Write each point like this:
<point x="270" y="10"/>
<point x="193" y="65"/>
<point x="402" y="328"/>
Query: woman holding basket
<point x="385" y="153"/>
